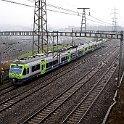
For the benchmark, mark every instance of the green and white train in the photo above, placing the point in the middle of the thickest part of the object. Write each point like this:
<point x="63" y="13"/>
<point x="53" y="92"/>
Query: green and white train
<point x="26" y="68"/>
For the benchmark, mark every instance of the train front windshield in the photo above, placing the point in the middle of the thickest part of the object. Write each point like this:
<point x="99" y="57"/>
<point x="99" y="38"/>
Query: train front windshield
<point x="16" y="69"/>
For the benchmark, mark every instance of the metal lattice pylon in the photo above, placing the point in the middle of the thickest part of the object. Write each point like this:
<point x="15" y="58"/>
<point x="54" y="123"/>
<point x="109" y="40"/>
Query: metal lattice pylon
<point x="40" y="27"/>
<point x="114" y="20"/>
<point x="83" y="21"/>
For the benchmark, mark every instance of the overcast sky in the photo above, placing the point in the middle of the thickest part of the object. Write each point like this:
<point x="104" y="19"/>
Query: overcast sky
<point x="102" y="9"/>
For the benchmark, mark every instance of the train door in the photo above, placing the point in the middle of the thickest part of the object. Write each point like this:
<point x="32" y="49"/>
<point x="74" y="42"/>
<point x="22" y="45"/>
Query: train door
<point x="43" y="66"/>
<point x="83" y="51"/>
<point x="69" y="56"/>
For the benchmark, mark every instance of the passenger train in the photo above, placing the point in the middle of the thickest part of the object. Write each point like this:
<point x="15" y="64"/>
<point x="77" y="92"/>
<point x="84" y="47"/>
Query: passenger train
<point x="26" y="68"/>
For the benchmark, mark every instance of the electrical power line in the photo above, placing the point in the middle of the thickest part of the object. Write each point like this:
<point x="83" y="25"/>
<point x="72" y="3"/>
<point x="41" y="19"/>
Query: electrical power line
<point x="62" y="12"/>
<point x="95" y="21"/>
<point x="100" y="20"/>
<point x="17" y="3"/>
<point x="76" y="12"/>
<point x="57" y="7"/>
<point x="33" y="6"/>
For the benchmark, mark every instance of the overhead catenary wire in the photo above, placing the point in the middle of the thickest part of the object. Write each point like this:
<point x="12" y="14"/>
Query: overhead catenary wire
<point x="95" y="21"/>
<point x="61" y="12"/>
<point x="68" y="11"/>
<point x="76" y="12"/>
<point x="33" y="6"/>
<point x="100" y="20"/>
<point x="58" y="7"/>
<point x="17" y="3"/>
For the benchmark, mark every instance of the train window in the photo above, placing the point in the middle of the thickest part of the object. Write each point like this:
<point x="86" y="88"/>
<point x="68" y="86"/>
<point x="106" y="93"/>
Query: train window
<point x="55" y="62"/>
<point x="27" y="70"/>
<point x="12" y="66"/>
<point x="51" y="63"/>
<point x="73" y="54"/>
<point x="36" y="67"/>
<point x="24" y="71"/>
<point x="63" y="58"/>
<point x="33" y="68"/>
<point x="48" y="64"/>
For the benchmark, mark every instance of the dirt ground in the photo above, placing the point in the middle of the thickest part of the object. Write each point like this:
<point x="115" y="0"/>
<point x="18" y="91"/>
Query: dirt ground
<point x="117" y="114"/>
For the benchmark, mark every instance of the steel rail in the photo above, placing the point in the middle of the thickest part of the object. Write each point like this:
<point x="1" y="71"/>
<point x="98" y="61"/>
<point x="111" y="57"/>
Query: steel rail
<point x="77" y="87"/>
<point x="98" y="95"/>
<point x="87" y="96"/>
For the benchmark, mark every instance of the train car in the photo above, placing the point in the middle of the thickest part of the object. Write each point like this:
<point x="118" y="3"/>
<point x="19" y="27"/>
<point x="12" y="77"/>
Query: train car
<point x="65" y="57"/>
<point x="21" y="70"/>
<point x="32" y="66"/>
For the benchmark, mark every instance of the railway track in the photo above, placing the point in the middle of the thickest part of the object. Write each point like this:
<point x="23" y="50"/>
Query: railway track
<point x="9" y="104"/>
<point x="63" y="70"/>
<point x="79" y="112"/>
<point x="4" y="98"/>
<point x="9" y="87"/>
<point x="51" y="108"/>
<point x="6" y="103"/>
<point x="97" y="110"/>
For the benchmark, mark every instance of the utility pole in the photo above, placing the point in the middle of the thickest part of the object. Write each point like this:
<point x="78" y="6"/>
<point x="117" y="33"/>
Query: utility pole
<point x="83" y="21"/>
<point x="0" y="57"/>
<point x="40" y="27"/>
<point x="114" y="19"/>
<point x="72" y="38"/>
<point x="120" y="73"/>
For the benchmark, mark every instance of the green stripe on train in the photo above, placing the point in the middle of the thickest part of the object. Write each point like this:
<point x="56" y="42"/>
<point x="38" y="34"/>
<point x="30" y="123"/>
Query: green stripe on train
<point x="43" y="66"/>
<point x="83" y="50"/>
<point x="69" y="56"/>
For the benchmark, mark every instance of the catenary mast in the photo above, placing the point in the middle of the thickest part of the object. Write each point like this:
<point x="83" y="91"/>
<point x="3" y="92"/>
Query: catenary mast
<point x="40" y="41"/>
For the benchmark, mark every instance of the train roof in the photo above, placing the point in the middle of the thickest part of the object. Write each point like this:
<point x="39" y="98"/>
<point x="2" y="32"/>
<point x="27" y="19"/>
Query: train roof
<point x="30" y="59"/>
<point x="50" y="55"/>
<point x="35" y="58"/>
